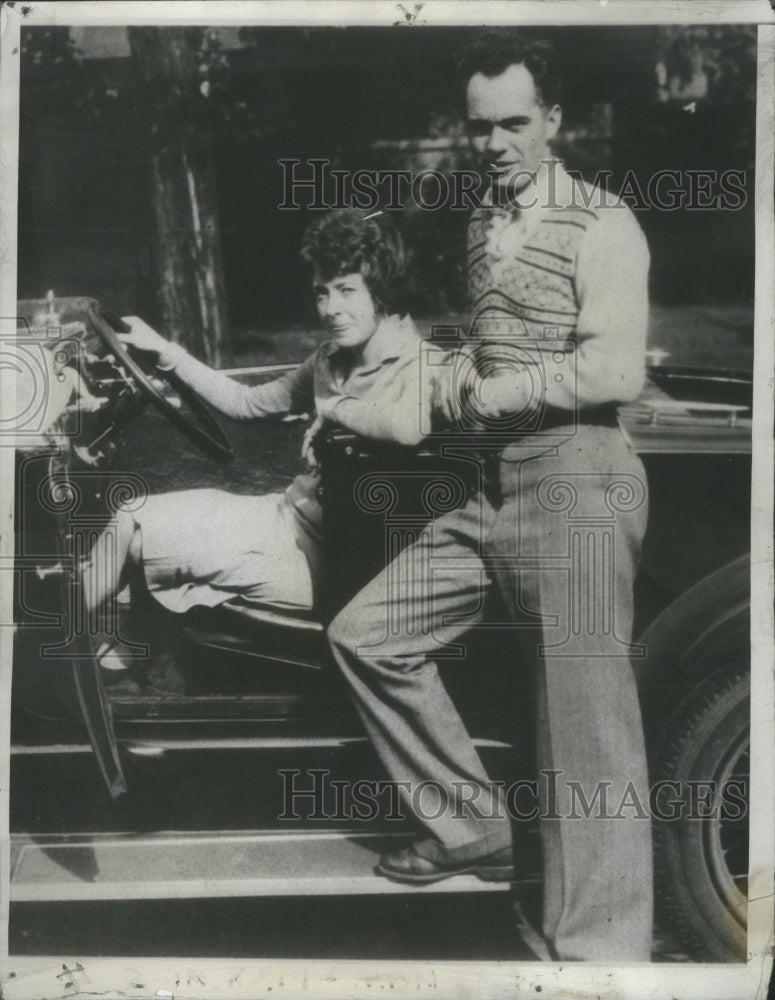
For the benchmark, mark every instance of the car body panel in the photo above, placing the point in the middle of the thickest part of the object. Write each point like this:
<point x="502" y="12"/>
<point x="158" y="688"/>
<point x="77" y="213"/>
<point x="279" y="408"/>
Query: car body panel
<point x="263" y="697"/>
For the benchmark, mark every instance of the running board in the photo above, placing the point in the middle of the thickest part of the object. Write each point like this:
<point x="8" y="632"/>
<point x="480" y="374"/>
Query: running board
<point x="166" y="707"/>
<point x="173" y="866"/>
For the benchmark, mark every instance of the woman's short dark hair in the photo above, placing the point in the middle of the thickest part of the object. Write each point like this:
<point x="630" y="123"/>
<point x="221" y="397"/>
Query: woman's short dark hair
<point x="350" y="240"/>
<point x="493" y="50"/>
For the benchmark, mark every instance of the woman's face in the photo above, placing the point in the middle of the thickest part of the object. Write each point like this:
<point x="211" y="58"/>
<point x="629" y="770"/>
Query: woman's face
<point x="346" y="309"/>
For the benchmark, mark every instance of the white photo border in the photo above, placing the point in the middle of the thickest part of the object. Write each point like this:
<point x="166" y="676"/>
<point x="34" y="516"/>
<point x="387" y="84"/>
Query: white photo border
<point x="22" y="978"/>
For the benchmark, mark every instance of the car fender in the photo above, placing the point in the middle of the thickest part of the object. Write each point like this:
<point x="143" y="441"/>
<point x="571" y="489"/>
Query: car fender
<point x="688" y="639"/>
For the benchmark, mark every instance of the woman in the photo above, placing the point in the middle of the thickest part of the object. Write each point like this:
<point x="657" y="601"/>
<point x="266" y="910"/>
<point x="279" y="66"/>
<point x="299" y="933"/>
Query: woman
<point x="205" y="547"/>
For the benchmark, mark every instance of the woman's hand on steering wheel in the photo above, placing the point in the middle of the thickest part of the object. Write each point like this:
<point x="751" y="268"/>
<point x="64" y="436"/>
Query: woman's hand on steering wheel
<point x="198" y="424"/>
<point x="142" y="336"/>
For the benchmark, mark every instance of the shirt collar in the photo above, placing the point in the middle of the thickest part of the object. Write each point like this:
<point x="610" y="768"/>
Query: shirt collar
<point x="397" y="335"/>
<point x="553" y="187"/>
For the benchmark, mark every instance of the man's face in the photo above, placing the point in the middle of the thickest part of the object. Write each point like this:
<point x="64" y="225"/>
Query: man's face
<point x="509" y="129"/>
<point x="346" y="309"/>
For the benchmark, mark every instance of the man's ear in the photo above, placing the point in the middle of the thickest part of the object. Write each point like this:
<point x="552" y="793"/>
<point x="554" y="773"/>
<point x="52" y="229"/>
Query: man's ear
<point x="553" y="121"/>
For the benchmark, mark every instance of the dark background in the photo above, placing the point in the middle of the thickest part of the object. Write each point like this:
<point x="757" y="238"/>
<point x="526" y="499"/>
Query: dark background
<point x="641" y="99"/>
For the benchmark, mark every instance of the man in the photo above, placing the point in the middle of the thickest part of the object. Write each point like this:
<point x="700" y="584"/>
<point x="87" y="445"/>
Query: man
<point x="570" y="273"/>
<point x="559" y="298"/>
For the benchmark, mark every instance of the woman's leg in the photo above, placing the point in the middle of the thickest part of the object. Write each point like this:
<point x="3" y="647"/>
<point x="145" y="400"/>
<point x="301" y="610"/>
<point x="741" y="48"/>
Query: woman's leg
<point x="103" y="575"/>
<point x="203" y="548"/>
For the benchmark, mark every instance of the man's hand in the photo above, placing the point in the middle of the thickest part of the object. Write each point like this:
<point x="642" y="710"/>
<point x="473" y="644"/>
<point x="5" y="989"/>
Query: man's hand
<point x="489" y="398"/>
<point x="502" y="394"/>
<point x="142" y="336"/>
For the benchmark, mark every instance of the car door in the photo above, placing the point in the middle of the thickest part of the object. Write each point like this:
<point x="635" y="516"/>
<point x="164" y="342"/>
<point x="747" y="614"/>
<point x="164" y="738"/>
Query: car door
<point x="56" y="675"/>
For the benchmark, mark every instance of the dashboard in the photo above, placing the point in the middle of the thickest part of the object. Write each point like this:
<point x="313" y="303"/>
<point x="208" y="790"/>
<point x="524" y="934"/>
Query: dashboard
<point x="72" y="394"/>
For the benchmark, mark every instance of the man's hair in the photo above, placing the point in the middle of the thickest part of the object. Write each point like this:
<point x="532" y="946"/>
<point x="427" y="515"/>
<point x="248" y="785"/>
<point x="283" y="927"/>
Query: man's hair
<point x="493" y="50"/>
<point x="350" y="240"/>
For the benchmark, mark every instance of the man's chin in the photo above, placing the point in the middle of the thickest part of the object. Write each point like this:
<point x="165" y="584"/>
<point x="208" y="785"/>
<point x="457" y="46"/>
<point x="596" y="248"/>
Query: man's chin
<point x="511" y="185"/>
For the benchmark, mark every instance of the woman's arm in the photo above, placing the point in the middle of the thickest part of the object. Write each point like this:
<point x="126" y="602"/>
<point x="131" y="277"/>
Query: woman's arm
<point x="291" y="393"/>
<point x="396" y="409"/>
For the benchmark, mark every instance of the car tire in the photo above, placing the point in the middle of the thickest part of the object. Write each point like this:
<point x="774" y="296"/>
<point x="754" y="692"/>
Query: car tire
<point x="702" y="857"/>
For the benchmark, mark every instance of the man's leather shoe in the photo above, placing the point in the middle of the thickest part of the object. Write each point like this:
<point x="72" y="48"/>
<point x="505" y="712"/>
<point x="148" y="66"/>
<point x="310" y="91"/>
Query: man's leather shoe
<point x="406" y="865"/>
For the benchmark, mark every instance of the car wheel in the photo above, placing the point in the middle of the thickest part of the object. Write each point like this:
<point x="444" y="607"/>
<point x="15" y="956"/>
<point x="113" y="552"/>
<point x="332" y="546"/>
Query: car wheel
<point x="702" y="854"/>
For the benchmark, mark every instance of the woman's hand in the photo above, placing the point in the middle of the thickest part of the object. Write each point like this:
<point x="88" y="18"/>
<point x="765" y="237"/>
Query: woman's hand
<point x="142" y="336"/>
<point x="324" y="415"/>
<point x="308" y="444"/>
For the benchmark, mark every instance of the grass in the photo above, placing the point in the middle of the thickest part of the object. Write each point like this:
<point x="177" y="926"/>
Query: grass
<point x="717" y="336"/>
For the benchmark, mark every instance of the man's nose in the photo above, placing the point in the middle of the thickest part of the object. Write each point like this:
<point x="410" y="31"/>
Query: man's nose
<point x="497" y="139"/>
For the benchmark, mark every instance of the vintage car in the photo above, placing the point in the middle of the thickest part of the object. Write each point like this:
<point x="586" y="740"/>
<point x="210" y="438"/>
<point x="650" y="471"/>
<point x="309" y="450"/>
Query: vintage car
<point x="213" y="771"/>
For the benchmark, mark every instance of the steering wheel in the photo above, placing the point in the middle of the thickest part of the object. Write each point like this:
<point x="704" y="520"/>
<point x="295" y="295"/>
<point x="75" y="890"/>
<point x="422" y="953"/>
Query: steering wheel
<point x="202" y="428"/>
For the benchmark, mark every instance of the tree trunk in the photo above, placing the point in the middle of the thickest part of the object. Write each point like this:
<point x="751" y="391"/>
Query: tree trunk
<point x="186" y="262"/>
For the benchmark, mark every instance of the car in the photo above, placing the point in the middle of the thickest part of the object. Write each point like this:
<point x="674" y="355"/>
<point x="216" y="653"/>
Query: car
<point x="221" y="766"/>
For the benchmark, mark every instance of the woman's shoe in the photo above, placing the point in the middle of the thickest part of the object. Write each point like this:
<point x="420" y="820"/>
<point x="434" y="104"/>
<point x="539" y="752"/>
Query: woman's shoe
<point x="115" y="656"/>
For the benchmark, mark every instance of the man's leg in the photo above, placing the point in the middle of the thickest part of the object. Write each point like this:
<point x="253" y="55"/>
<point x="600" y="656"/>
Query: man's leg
<point x="384" y="641"/>
<point x="572" y="537"/>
